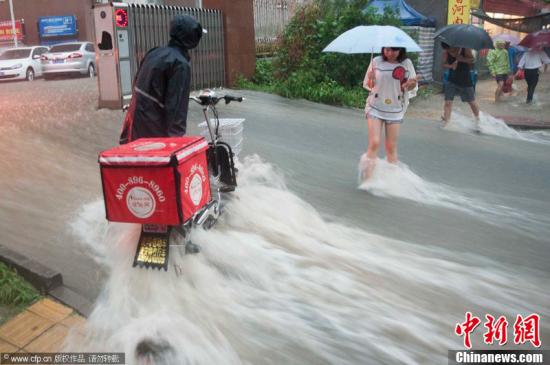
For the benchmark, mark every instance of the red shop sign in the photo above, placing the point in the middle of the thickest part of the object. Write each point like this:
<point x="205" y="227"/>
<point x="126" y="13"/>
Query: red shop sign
<point x="6" y="30"/>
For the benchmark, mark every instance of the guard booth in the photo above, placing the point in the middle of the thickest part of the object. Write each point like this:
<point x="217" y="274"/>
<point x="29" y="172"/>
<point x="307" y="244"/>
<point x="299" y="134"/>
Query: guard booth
<point x="125" y="32"/>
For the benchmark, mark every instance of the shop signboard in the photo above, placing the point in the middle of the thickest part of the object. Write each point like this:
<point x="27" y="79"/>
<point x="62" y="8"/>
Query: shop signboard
<point x="6" y="30"/>
<point x="459" y="12"/>
<point x="57" y="26"/>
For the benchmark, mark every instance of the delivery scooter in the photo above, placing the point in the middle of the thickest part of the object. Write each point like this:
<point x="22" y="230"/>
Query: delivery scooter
<point x="170" y="185"/>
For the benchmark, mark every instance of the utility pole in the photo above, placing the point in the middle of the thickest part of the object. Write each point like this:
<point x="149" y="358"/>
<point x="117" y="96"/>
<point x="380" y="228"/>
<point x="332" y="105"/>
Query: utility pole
<point x="13" y="24"/>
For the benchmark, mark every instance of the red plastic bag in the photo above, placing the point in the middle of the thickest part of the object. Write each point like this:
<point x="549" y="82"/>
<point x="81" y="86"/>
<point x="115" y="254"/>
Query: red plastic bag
<point x="507" y="87"/>
<point x="520" y="75"/>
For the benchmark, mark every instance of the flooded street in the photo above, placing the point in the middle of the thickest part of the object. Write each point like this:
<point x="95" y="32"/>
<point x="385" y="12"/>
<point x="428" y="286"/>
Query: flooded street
<point x="306" y="266"/>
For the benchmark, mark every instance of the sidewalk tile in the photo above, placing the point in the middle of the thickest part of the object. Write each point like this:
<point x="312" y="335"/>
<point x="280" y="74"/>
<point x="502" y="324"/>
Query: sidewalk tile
<point x="24" y="328"/>
<point x="7" y="347"/>
<point x="51" y="310"/>
<point x="75" y="322"/>
<point x="75" y="341"/>
<point x="50" y="341"/>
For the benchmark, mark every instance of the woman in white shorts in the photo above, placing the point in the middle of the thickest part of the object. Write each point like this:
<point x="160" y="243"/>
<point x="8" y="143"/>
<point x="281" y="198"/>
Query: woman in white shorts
<point x="391" y="80"/>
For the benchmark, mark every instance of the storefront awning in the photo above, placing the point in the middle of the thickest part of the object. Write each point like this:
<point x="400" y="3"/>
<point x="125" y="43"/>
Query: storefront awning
<point x="525" y="25"/>
<point x="407" y="14"/>
<point x="514" y="7"/>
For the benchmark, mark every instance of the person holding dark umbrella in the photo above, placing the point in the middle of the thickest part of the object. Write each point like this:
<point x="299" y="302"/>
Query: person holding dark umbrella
<point x="459" y="62"/>
<point x="530" y="63"/>
<point x="532" y="60"/>
<point x="458" y="41"/>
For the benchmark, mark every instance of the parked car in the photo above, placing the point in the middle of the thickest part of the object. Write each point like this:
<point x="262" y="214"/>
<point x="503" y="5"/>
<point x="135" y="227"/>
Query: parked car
<point x="69" y="58"/>
<point x="22" y="63"/>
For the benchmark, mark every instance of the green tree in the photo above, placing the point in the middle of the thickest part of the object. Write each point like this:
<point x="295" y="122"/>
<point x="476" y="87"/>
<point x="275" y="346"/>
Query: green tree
<point x="301" y="70"/>
<point x="313" y="28"/>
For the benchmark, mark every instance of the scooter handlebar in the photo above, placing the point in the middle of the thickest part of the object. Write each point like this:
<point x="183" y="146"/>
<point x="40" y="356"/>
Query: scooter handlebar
<point x="230" y="98"/>
<point x="213" y="100"/>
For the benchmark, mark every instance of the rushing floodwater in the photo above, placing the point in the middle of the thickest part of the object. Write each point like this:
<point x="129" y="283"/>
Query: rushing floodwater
<point x="279" y="281"/>
<point x="399" y="181"/>
<point x="495" y="127"/>
<point x="275" y="283"/>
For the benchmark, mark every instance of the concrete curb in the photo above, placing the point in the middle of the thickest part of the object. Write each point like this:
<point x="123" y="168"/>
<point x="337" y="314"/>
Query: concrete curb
<point x="72" y="299"/>
<point x="524" y="122"/>
<point x="45" y="280"/>
<point x="41" y="277"/>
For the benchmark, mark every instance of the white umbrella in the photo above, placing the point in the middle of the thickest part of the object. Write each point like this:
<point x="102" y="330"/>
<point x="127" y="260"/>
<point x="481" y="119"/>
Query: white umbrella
<point x="371" y="39"/>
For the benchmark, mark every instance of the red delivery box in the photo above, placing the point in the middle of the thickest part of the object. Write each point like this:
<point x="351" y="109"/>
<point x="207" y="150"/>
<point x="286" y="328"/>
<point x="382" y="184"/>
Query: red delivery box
<point x="155" y="180"/>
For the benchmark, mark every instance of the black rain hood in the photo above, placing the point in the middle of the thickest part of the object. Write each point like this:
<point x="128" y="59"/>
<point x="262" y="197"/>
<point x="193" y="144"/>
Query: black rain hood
<point x="185" y="32"/>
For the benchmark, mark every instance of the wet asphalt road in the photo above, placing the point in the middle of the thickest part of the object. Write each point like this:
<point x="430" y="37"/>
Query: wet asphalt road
<point x="52" y="132"/>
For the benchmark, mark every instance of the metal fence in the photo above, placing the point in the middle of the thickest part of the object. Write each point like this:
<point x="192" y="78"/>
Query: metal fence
<point x="150" y="28"/>
<point x="270" y="19"/>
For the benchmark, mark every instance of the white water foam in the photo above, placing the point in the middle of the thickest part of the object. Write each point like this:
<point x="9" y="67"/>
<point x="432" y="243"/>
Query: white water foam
<point x="277" y="284"/>
<point x="493" y="126"/>
<point x="543" y="134"/>
<point x="90" y="230"/>
<point x="398" y="180"/>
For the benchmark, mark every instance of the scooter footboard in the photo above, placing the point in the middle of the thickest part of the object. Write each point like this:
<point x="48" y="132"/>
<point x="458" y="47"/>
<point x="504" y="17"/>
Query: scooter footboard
<point x="153" y="247"/>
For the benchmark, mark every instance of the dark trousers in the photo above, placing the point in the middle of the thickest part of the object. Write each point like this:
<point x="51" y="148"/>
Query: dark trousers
<point x="532" y="79"/>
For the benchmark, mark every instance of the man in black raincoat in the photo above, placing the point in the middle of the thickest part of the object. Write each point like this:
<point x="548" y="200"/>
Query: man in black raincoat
<point x="160" y="97"/>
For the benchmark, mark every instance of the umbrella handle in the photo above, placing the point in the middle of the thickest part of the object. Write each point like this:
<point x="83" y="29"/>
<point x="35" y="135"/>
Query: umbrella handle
<point x="372" y="68"/>
<point x="371" y="79"/>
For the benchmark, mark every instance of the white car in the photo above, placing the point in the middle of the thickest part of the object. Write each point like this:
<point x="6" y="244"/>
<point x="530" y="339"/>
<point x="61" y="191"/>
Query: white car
<point x="77" y="58"/>
<point x="22" y="63"/>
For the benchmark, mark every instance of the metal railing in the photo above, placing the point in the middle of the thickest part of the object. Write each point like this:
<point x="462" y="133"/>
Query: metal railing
<point x="270" y="20"/>
<point x="150" y="26"/>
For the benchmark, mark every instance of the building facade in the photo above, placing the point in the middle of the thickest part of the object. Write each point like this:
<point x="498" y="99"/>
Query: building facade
<point x="31" y="14"/>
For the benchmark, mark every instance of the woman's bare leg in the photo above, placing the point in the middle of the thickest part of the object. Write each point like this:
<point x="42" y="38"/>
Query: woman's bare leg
<point x="392" y="135"/>
<point x="375" y="135"/>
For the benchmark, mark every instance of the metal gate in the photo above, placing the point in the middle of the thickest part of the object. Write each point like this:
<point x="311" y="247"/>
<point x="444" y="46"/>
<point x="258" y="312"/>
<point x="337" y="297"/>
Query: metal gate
<point x="270" y="20"/>
<point x="133" y="29"/>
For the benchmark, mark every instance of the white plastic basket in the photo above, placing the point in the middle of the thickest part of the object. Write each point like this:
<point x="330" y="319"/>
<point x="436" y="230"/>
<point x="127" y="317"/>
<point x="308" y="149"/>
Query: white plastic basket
<point x="231" y="132"/>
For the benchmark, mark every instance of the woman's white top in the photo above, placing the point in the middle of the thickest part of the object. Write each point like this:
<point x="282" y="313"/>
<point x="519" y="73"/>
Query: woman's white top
<point x="386" y="100"/>
<point x="533" y="59"/>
